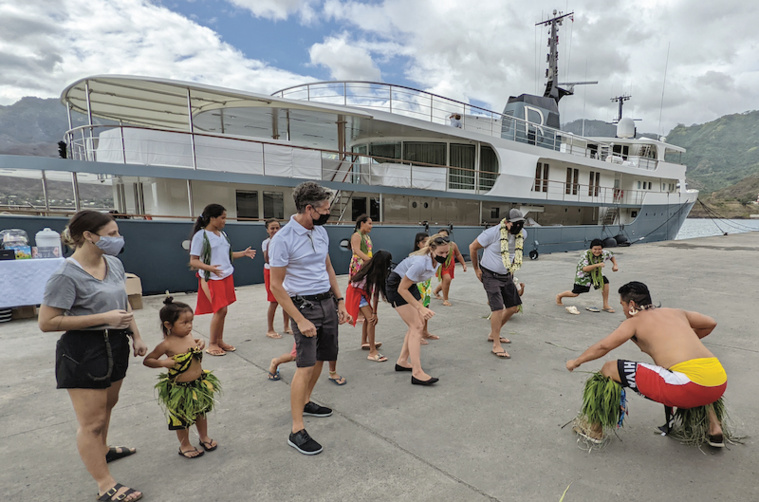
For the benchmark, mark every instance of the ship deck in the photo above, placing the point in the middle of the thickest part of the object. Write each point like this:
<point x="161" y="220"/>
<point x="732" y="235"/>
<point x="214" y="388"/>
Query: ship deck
<point x="489" y="430"/>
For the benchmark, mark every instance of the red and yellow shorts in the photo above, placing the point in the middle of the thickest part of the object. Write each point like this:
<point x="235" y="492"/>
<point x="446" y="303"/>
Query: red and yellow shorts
<point x="689" y="384"/>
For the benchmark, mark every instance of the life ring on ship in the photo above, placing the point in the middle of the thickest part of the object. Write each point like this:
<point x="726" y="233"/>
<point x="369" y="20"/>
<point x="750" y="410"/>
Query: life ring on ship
<point x="534" y="254"/>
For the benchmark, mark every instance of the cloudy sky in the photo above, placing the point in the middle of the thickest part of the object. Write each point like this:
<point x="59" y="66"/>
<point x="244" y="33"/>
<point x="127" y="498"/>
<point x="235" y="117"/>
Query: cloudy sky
<point x="697" y="58"/>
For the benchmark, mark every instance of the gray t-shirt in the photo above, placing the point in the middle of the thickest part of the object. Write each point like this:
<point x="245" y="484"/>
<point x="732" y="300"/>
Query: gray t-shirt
<point x="76" y="292"/>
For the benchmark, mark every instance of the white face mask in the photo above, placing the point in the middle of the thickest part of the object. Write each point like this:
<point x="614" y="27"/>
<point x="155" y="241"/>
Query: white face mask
<point x="110" y="245"/>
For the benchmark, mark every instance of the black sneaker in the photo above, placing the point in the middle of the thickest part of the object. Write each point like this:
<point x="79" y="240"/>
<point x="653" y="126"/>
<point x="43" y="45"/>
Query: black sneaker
<point x="312" y="409"/>
<point x="302" y="442"/>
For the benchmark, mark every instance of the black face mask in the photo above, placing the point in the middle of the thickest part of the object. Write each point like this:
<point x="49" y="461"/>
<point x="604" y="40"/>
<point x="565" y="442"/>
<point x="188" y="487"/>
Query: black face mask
<point x="516" y="227"/>
<point x="321" y="220"/>
<point x="440" y="259"/>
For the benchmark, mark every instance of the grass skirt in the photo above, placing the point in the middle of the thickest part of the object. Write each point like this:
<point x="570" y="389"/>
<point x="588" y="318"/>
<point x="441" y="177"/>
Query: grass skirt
<point x="184" y="402"/>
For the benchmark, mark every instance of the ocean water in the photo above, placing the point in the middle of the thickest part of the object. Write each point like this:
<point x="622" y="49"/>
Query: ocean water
<point x="706" y="227"/>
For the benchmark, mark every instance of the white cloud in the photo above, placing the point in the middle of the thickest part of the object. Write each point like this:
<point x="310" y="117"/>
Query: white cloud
<point x="492" y="51"/>
<point x="345" y="60"/>
<point x="278" y="9"/>
<point x="42" y="49"/>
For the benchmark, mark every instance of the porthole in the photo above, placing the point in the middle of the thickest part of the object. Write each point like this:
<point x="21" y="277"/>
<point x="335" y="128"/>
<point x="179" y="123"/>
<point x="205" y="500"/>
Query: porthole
<point x="413" y="204"/>
<point x="426" y="205"/>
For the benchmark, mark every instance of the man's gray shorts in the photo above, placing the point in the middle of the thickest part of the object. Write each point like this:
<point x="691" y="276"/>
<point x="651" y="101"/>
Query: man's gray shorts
<point x="500" y="289"/>
<point x="323" y="346"/>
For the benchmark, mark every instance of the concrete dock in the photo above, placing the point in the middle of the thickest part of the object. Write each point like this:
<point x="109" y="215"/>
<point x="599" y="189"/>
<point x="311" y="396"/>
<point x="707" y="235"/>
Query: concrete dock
<point x="491" y="429"/>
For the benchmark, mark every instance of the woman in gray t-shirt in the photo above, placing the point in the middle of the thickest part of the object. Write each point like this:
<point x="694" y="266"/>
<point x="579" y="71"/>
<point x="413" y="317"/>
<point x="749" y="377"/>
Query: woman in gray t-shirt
<point x="87" y="299"/>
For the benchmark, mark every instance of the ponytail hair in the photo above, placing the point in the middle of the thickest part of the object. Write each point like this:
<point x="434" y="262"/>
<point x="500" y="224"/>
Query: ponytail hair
<point x="210" y="211"/>
<point x="170" y="312"/>
<point x="361" y="219"/>
<point x="432" y="243"/>
<point x="84" y="221"/>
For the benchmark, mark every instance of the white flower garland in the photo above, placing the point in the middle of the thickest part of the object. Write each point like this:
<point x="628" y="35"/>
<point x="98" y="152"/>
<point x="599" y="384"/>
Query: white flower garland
<point x="518" y="249"/>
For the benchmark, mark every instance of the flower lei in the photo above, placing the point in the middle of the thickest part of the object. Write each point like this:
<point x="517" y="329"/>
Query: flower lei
<point x="596" y="275"/>
<point x="518" y="249"/>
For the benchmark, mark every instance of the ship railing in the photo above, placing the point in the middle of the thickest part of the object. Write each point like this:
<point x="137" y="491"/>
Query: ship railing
<point x="224" y="153"/>
<point x="423" y="105"/>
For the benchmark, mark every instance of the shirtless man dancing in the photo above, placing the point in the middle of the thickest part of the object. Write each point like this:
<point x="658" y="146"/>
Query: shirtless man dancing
<point x="685" y="374"/>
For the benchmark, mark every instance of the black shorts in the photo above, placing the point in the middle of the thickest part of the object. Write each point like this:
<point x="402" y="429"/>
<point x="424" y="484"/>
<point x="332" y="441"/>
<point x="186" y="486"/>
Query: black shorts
<point x="391" y="291"/>
<point x="502" y="293"/>
<point x="82" y="361"/>
<point x="579" y="289"/>
<point x="323" y="346"/>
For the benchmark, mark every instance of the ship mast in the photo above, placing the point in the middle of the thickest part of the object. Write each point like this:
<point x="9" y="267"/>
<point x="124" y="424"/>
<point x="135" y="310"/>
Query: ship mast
<point x="552" y="72"/>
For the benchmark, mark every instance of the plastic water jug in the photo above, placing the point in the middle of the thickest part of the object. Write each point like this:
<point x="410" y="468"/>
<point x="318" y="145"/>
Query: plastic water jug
<point x="48" y="244"/>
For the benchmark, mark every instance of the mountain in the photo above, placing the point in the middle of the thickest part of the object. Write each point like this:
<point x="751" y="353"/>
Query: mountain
<point x="34" y="126"/>
<point x="720" y="153"/>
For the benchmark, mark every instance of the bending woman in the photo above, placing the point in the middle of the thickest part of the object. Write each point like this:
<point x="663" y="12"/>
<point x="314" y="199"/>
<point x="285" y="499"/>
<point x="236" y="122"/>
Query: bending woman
<point x="87" y="299"/>
<point x="403" y="294"/>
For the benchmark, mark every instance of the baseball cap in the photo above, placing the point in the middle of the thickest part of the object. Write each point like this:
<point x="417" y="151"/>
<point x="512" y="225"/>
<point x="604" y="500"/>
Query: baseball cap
<point x="515" y="215"/>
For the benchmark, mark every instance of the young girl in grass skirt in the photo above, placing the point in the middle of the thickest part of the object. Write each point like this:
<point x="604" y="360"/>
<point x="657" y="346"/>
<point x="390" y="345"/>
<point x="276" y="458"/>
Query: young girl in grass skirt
<point x="186" y="391"/>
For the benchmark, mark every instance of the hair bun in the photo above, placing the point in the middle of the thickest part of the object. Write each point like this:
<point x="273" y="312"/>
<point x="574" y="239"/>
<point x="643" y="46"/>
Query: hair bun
<point x="169" y="299"/>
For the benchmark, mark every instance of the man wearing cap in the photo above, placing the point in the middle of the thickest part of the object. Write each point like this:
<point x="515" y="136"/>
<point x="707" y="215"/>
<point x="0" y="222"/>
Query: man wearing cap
<point x="304" y="283"/>
<point x="502" y="247"/>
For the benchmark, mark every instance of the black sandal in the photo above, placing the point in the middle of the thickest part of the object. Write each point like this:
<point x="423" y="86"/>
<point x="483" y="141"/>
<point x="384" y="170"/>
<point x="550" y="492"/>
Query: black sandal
<point x="108" y="496"/>
<point x="207" y="445"/>
<point x="117" y="452"/>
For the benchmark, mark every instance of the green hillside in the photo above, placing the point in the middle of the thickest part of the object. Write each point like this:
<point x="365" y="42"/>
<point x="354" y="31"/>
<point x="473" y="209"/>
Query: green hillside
<point x="720" y="153"/>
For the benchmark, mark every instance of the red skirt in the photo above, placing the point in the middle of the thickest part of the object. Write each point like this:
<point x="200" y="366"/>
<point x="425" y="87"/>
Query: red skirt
<point x="222" y="294"/>
<point x="450" y="270"/>
<point x="267" y="280"/>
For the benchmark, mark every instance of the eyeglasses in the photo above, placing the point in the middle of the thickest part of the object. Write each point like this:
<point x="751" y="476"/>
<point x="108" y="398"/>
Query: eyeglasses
<point x="441" y="240"/>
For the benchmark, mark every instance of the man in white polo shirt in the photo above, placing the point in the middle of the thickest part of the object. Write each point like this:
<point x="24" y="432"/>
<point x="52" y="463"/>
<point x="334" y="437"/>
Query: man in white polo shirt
<point x="304" y="284"/>
<point x="502" y="246"/>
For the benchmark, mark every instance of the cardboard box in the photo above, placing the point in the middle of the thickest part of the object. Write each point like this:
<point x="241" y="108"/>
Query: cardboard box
<point x="26" y="312"/>
<point x="134" y="291"/>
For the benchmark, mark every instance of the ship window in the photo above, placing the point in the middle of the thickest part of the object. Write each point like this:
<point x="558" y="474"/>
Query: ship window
<point x="541" y="178"/>
<point x="428" y="153"/>
<point x="594" y="183"/>
<point x="573" y="181"/>
<point x="462" y="156"/>
<point x="387" y="151"/>
<point x="488" y="167"/>
<point x="638" y="185"/>
<point x="247" y="204"/>
<point x="274" y="205"/>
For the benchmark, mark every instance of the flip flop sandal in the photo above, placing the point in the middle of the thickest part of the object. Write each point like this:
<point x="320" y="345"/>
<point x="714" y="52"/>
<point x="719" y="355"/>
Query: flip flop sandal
<point x="209" y="448"/>
<point x="501" y="355"/>
<point x="592" y="309"/>
<point x="184" y="453"/>
<point x="229" y="348"/>
<point x="108" y="496"/>
<point x="117" y="452"/>
<point x="379" y="358"/>
<point x="220" y="352"/>
<point x="573" y="310"/>
<point x="274" y="377"/>
<point x="338" y="381"/>
<point x="609" y="310"/>
<point x="275" y="335"/>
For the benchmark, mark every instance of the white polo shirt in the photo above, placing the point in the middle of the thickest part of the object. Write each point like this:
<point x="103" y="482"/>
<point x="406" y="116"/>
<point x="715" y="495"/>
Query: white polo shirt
<point x="490" y="239"/>
<point x="304" y="253"/>
<point x="417" y="268"/>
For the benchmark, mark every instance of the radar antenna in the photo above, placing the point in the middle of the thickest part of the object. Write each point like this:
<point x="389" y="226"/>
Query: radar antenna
<point x="552" y="72"/>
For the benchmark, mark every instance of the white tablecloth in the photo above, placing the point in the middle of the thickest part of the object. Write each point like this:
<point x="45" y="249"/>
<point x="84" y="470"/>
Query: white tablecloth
<point x="22" y="282"/>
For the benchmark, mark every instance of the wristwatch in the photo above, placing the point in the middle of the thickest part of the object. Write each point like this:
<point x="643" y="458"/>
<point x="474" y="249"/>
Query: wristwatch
<point x="339" y="299"/>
